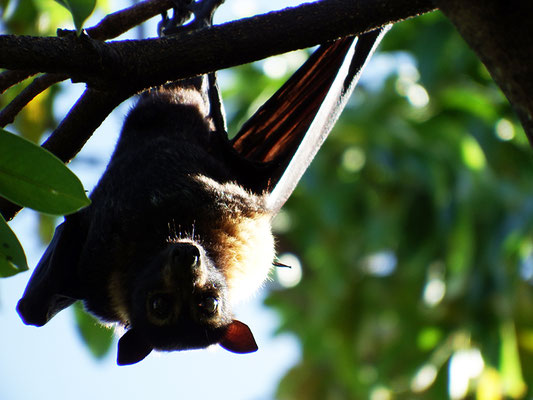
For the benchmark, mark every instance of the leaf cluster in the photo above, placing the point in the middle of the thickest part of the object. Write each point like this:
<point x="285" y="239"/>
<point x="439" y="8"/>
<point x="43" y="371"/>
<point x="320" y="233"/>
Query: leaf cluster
<point x="414" y="226"/>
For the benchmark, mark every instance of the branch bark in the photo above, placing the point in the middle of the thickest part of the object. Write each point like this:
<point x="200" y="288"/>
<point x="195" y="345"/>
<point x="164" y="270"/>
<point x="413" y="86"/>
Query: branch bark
<point x="39" y="84"/>
<point x="500" y="33"/>
<point x="75" y="129"/>
<point x="11" y="78"/>
<point x="117" y="23"/>
<point x="154" y="61"/>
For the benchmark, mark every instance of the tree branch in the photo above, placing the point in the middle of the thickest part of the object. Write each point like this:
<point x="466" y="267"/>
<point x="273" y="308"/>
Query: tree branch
<point x="117" y="23"/>
<point x="11" y="78"/>
<point x="75" y="129"/>
<point x="109" y="27"/>
<point x="500" y="34"/>
<point x="154" y="61"/>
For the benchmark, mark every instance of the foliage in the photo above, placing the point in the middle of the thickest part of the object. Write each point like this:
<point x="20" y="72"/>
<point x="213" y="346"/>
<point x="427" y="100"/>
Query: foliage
<point x="414" y="227"/>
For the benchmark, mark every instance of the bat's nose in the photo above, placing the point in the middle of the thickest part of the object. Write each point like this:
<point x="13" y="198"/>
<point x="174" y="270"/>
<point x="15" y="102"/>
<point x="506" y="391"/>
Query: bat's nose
<point x="185" y="255"/>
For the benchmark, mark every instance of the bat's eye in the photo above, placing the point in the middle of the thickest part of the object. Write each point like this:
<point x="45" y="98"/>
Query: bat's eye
<point x="160" y="306"/>
<point x="209" y="305"/>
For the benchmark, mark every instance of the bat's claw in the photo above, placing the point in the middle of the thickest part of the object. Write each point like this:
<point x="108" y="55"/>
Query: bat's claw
<point x="203" y="11"/>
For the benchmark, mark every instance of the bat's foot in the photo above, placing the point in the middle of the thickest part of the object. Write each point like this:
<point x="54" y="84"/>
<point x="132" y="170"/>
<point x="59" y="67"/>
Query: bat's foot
<point x="203" y="11"/>
<point x="181" y="13"/>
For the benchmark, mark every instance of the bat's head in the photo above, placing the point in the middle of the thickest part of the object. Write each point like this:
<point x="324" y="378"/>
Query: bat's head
<point x="181" y="303"/>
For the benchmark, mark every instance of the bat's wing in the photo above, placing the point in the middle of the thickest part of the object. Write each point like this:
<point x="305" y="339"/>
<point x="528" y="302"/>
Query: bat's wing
<point x="284" y="135"/>
<point x="54" y="284"/>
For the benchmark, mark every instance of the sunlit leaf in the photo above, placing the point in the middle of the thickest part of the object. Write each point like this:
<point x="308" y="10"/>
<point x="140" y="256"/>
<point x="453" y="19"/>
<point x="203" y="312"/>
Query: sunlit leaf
<point x="490" y="385"/>
<point x="428" y="338"/>
<point x="80" y="10"/>
<point x="510" y="368"/>
<point x="468" y="100"/>
<point x="473" y="156"/>
<point x="33" y="177"/>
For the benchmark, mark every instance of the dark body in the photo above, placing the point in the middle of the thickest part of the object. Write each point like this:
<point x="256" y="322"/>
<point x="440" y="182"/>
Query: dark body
<point x="166" y="184"/>
<point x="170" y="241"/>
<point x="179" y="225"/>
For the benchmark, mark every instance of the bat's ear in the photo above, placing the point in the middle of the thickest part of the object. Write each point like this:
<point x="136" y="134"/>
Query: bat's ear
<point x="132" y="348"/>
<point x="239" y="338"/>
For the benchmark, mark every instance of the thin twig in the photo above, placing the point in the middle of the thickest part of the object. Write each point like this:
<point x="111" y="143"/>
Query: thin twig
<point x="11" y="78"/>
<point x="117" y="23"/>
<point x="39" y="84"/>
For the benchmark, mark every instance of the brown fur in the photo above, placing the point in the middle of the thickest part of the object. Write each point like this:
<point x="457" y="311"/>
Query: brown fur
<point x="240" y="237"/>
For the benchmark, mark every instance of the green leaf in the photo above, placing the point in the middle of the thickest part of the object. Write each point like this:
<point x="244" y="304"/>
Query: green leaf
<point x="30" y="176"/>
<point x="510" y="368"/>
<point x="469" y="100"/>
<point x="97" y="337"/>
<point x="80" y="10"/>
<point x="12" y="257"/>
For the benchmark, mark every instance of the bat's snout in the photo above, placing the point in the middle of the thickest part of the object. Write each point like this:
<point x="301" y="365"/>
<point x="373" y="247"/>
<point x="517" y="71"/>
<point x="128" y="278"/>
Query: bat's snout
<point x="190" y="267"/>
<point x="184" y="256"/>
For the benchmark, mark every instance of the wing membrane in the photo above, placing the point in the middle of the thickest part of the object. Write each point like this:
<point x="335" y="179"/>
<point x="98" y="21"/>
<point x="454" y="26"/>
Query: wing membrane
<point x="287" y="131"/>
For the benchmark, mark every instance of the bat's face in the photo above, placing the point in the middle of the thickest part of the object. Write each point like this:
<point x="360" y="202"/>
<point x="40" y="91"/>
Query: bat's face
<point x="181" y="303"/>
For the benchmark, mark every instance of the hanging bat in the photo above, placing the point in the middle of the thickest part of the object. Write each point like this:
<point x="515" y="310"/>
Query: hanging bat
<point x="179" y="226"/>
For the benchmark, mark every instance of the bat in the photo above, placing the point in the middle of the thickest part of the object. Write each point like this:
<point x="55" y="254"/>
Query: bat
<point x="178" y="230"/>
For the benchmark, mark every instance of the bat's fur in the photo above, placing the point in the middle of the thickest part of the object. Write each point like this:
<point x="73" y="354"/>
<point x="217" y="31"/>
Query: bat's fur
<point x="165" y="193"/>
<point x="165" y="186"/>
<point x="164" y="179"/>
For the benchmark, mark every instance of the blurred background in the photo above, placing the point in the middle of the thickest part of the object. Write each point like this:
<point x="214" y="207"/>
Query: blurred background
<point x="410" y="241"/>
